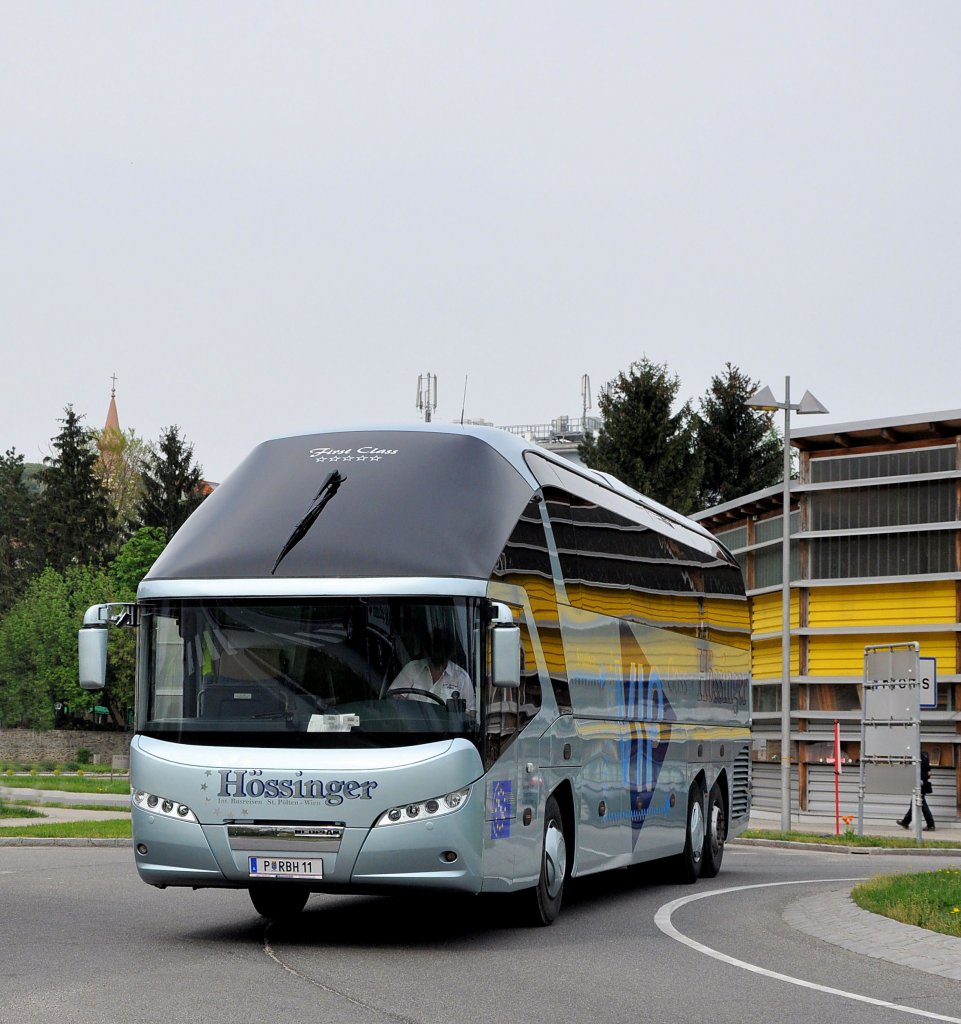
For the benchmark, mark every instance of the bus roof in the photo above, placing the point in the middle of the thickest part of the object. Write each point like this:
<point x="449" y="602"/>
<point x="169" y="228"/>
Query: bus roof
<point x="415" y="500"/>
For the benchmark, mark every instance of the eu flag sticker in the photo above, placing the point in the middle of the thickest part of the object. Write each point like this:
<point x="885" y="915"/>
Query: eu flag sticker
<point x="501" y="803"/>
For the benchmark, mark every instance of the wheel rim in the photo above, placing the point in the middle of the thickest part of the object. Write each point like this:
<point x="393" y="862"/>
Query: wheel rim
<point x="555" y="859"/>
<point x="697" y="830"/>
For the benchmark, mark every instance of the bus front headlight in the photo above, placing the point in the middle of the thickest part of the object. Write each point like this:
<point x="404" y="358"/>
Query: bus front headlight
<point x="435" y="807"/>
<point x="161" y="805"/>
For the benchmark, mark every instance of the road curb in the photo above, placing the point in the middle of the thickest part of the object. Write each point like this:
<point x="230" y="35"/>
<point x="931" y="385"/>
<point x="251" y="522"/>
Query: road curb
<point x="886" y="851"/>
<point x="51" y="841"/>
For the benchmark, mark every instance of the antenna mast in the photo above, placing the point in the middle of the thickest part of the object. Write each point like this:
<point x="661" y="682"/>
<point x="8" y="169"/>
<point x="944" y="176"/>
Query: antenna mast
<point x="586" y="394"/>
<point x="427" y="394"/>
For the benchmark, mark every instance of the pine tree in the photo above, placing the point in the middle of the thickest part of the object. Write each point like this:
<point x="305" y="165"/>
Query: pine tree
<point x="172" y="483"/>
<point x="17" y="560"/>
<point x="742" y="450"/>
<point x="72" y="516"/>
<point x="643" y="442"/>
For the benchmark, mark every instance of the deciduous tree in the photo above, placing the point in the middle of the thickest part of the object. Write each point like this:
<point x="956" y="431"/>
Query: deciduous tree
<point x="38" y="645"/>
<point x="125" y="573"/>
<point x="120" y="469"/>
<point x="134" y="561"/>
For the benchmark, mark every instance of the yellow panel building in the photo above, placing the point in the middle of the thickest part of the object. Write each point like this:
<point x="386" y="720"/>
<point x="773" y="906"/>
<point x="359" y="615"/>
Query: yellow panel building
<point x="875" y="527"/>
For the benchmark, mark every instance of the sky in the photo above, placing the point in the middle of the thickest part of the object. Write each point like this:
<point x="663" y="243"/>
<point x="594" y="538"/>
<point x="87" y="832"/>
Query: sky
<point x="273" y="218"/>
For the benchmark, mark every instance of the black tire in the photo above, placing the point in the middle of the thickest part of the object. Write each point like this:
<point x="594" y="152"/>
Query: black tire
<point x="689" y="863"/>
<point x="715" y="832"/>
<point x="278" y="901"/>
<point x="546" y="897"/>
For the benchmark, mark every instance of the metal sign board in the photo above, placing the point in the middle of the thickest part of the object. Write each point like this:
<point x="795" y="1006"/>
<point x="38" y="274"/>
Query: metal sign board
<point x="886" y="702"/>
<point x="891" y="724"/>
<point x="891" y="741"/>
<point x="893" y="779"/>
<point x="892" y="685"/>
<point x="929" y="682"/>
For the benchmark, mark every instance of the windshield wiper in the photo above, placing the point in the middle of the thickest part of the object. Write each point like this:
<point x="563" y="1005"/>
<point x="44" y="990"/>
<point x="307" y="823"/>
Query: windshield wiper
<point x="328" y="489"/>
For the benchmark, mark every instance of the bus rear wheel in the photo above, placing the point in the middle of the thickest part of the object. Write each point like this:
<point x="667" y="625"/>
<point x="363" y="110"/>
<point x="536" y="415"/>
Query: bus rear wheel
<point x="278" y="901"/>
<point x="548" y="894"/>
<point x="715" y="832"/>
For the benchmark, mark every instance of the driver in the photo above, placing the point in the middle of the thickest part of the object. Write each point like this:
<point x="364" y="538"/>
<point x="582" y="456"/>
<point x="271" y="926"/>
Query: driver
<point x="436" y="674"/>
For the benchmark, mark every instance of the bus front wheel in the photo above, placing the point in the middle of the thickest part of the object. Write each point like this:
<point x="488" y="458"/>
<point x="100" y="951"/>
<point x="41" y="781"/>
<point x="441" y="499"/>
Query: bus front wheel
<point x="276" y="901"/>
<point x="549" y="891"/>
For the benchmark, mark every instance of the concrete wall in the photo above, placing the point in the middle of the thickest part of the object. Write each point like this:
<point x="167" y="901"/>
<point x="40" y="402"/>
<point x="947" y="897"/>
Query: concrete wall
<point x="61" y="745"/>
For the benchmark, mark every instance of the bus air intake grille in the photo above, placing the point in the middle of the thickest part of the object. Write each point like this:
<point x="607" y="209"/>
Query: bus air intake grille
<point x="740" y="790"/>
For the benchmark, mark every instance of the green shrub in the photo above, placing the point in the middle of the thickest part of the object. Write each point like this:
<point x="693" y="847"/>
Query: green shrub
<point x="83" y="756"/>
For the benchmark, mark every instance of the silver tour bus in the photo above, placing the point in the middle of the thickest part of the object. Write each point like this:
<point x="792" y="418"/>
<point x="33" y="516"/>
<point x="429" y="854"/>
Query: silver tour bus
<point x="431" y="657"/>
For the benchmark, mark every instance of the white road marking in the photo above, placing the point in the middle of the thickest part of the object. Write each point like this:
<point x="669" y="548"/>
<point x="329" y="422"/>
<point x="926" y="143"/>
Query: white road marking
<point x="663" y="921"/>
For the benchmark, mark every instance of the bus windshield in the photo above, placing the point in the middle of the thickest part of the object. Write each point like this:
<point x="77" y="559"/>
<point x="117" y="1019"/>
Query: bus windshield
<point x="311" y="673"/>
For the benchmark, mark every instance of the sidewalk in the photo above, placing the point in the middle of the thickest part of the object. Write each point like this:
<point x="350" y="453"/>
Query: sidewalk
<point x="945" y="831"/>
<point x="39" y="798"/>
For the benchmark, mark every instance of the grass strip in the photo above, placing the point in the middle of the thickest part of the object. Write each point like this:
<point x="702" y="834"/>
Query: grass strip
<point x="66" y="783"/>
<point x="17" y="810"/>
<point x="929" y="899"/>
<point x="109" y="828"/>
<point x="850" y="839"/>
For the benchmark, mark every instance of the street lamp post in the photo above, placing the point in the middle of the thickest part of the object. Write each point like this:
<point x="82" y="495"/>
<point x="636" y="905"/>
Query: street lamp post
<point x="764" y="399"/>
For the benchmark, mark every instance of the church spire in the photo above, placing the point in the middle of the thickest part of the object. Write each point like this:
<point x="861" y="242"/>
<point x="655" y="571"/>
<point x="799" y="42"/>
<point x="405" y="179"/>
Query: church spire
<point x="113" y="420"/>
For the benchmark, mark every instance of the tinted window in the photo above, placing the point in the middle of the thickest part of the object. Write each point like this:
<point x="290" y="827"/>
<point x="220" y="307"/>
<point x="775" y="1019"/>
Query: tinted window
<point x="526" y="550"/>
<point x="402" y="503"/>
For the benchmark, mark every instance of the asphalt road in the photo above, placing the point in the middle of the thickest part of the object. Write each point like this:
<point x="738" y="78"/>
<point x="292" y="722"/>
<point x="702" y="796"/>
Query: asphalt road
<point x="84" y="941"/>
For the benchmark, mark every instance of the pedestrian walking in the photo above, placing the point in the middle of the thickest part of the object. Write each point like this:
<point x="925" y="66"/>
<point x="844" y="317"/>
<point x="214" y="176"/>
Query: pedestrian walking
<point x="926" y="788"/>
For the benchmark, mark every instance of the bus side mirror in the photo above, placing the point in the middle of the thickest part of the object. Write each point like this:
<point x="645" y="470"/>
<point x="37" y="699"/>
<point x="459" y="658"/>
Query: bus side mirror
<point x="93" y="657"/>
<point x="92" y="640"/>
<point x="506" y="656"/>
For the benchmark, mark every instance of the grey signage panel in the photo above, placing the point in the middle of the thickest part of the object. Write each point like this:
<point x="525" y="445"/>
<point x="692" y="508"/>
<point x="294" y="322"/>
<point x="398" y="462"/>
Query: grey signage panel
<point x="896" y="779"/>
<point x="892" y="684"/>
<point x="885" y="665"/>
<point x="892" y="701"/>
<point x="891" y="740"/>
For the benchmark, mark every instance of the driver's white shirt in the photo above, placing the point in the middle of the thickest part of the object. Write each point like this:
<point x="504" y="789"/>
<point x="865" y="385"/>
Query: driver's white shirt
<point x="416" y="675"/>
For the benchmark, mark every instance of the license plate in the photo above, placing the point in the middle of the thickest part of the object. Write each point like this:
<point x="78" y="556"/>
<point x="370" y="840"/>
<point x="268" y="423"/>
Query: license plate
<point x="286" y="867"/>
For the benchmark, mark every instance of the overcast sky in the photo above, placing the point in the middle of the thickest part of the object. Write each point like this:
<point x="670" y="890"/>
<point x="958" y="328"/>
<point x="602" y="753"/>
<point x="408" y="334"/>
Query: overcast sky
<point x="272" y="217"/>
